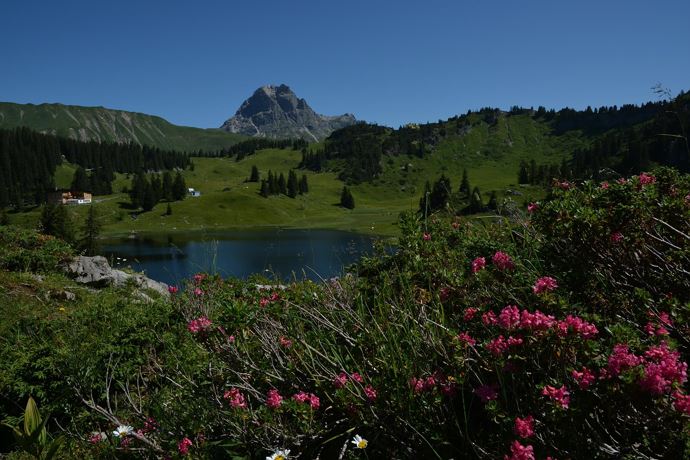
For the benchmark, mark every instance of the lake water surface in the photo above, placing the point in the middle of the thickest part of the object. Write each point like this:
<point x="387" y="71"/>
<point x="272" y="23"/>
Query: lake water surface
<point x="314" y="254"/>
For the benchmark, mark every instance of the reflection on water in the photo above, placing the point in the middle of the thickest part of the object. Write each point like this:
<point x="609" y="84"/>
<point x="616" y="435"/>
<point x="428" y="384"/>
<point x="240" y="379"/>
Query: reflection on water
<point x="314" y="254"/>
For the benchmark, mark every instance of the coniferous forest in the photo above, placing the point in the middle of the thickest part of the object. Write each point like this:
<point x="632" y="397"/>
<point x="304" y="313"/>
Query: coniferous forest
<point x="28" y="160"/>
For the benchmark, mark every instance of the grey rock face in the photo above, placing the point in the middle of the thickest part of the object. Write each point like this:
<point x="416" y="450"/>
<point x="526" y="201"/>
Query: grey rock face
<point x="276" y="112"/>
<point x="96" y="272"/>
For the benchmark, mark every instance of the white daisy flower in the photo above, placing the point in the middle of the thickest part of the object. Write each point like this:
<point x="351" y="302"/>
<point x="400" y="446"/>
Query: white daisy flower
<point x="123" y="431"/>
<point x="359" y="442"/>
<point x="279" y="455"/>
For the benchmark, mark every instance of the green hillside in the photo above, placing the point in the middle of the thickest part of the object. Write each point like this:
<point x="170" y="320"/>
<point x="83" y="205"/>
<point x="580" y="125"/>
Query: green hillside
<point x="101" y="124"/>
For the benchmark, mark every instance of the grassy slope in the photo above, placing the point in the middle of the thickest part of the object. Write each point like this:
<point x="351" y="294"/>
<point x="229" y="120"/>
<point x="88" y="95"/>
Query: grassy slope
<point x="101" y="124"/>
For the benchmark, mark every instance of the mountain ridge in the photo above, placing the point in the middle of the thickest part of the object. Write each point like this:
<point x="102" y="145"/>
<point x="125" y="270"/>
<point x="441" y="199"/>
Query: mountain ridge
<point x="276" y="112"/>
<point x="103" y="124"/>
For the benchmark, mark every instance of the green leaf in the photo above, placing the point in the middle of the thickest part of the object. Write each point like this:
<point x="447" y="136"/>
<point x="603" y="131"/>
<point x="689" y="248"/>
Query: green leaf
<point x="32" y="417"/>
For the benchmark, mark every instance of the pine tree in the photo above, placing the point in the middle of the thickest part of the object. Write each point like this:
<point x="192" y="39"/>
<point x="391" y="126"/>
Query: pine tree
<point x="424" y="201"/>
<point x="476" y="204"/>
<point x="167" y="187"/>
<point x="254" y="176"/>
<point x="80" y="181"/>
<point x="168" y="210"/>
<point x="523" y="175"/>
<point x="440" y="194"/>
<point x="148" y="200"/>
<point x="272" y="184"/>
<point x="56" y="221"/>
<point x="465" y="184"/>
<point x="136" y="191"/>
<point x="292" y="184"/>
<point x="265" y="191"/>
<point x="303" y="185"/>
<point x="346" y="199"/>
<point x="493" y="201"/>
<point x="179" y="188"/>
<point x="282" y="185"/>
<point x="90" y="230"/>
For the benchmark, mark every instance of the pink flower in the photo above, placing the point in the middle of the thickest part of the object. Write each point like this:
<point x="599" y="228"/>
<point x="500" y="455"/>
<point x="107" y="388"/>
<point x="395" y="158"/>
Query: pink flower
<point x="444" y="293"/>
<point x="97" y="438"/>
<point x="524" y="427"/>
<point x="273" y="399"/>
<point x="687" y="199"/>
<point x="584" y="378"/>
<point x="646" y="179"/>
<point x="532" y="207"/>
<point x="537" y="321"/>
<point x="426" y="236"/>
<point x="560" y="395"/>
<point x="502" y="261"/>
<point x="622" y="181"/>
<point x="616" y="237"/>
<point x="275" y="297"/>
<point x="663" y="369"/>
<point x="371" y="393"/>
<point x="263" y="302"/>
<point x="489" y="318"/>
<point x="544" y="284"/>
<point x="487" y="392"/>
<point x="465" y="338"/>
<point x="173" y="289"/>
<point x="301" y="397"/>
<point x="198" y="278"/>
<point x="520" y="452"/>
<point x="340" y="380"/>
<point x="478" y="264"/>
<point x="184" y="445"/>
<point x="198" y="292"/>
<point x="681" y="402"/>
<point x="509" y="317"/>
<point x="356" y="377"/>
<point x="621" y="359"/>
<point x="314" y="401"/>
<point x="564" y="185"/>
<point x="578" y="325"/>
<point x="604" y="185"/>
<point x="201" y="324"/>
<point x="417" y="385"/>
<point x="150" y="425"/>
<point x="235" y="398"/>
<point x="469" y="313"/>
<point x="514" y="341"/>
<point x="497" y="346"/>
<point x="285" y="342"/>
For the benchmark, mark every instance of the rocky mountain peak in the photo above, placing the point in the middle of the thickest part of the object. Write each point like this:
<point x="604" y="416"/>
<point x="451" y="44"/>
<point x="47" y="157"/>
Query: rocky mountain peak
<point x="277" y="112"/>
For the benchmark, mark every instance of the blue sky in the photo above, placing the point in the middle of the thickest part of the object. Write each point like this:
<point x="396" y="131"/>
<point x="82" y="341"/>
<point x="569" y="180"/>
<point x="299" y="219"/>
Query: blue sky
<point x="389" y="62"/>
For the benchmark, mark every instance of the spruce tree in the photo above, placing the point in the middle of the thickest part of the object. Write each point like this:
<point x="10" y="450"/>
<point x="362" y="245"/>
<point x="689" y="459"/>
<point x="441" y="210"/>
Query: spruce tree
<point x="303" y="185"/>
<point x="179" y="188"/>
<point x="56" y="221"/>
<point x="465" y="185"/>
<point x="80" y="181"/>
<point x="282" y="185"/>
<point x="148" y="200"/>
<point x="440" y="194"/>
<point x="346" y="199"/>
<point x="167" y="187"/>
<point x="424" y="201"/>
<point x="476" y="204"/>
<point x="523" y="175"/>
<point x="265" y="191"/>
<point x="168" y="210"/>
<point x="90" y="231"/>
<point x="254" y="176"/>
<point x="292" y="184"/>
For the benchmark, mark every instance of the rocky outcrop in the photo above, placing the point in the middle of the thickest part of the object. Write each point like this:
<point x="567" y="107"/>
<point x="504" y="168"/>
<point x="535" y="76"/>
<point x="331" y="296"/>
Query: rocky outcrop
<point x="276" y="112"/>
<point x="97" y="272"/>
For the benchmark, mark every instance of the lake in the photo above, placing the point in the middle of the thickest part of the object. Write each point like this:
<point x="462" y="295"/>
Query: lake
<point x="313" y="254"/>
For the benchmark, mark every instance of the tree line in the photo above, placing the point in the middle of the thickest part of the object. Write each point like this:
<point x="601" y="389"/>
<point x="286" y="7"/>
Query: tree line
<point x="243" y="149"/>
<point x="28" y="160"/>
<point x="465" y="200"/>
<point x="276" y="184"/>
<point x="147" y="190"/>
